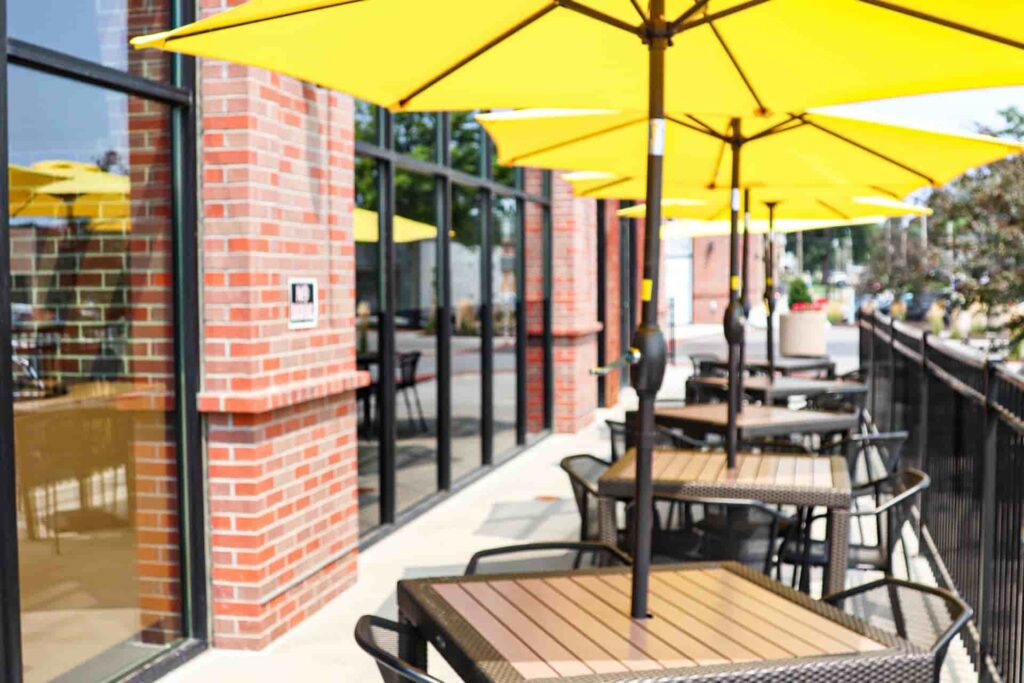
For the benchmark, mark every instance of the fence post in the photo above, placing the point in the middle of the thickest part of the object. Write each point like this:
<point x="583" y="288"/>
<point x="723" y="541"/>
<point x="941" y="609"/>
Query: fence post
<point x="871" y="362"/>
<point x="990" y="428"/>
<point x="892" y="374"/>
<point x="922" y="431"/>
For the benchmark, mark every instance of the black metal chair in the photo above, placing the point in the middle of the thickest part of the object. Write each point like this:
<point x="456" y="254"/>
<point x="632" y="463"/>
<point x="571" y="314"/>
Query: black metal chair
<point x="926" y="616"/>
<point x="623" y="437"/>
<point x="380" y="638"/>
<point x="584" y="470"/>
<point x="549" y="556"/>
<point x="897" y="493"/>
<point x="406" y="382"/>
<point x="744" y="531"/>
<point x="703" y="365"/>
<point x="888" y="446"/>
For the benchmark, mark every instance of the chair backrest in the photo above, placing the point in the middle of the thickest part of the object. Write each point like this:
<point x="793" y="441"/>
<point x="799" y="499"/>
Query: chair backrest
<point x="617" y="431"/>
<point x="407" y="364"/>
<point x="744" y="531"/>
<point x="380" y="638"/>
<point x="701" y="364"/>
<point x="623" y="437"/>
<point x="894" y="496"/>
<point x="928" y="617"/>
<point x="542" y="557"/>
<point x="584" y="470"/>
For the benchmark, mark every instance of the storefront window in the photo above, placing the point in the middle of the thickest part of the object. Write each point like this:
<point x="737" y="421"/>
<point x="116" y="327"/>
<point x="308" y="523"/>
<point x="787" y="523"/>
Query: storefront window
<point x="97" y="31"/>
<point x="367" y="120"/>
<point x="505" y="295"/>
<point x="94" y="386"/>
<point x="415" y="235"/>
<point x="466" y="148"/>
<point x="416" y="135"/>
<point x="506" y="175"/>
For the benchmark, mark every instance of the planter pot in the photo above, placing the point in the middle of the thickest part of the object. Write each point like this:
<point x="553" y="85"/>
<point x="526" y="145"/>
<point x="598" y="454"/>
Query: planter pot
<point x="802" y="333"/>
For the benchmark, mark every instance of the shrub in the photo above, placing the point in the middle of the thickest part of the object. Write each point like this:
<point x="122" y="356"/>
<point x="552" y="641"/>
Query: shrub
<point x="798" y="292"/>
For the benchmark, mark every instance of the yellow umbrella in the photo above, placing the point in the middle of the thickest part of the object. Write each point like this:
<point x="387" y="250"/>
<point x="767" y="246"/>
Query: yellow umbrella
<point x="726" y="56"/>
<point x="811" y="150"/>
<point x="77" y="190"/>
<point x="367" y="224"/>
<point x="22" y="183"/>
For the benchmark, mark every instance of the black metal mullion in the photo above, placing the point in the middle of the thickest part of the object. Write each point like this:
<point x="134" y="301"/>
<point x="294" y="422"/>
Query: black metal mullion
<point x="486" y="332"/>
<point x="61" y="64"/>
<point x="10" y="603"/>
<point x="625" y="287"/>
<point x="386" y="331"/>
<point x="443" y="315"/>
<point x="521" y="333"/>
<point x="192" y="489"/>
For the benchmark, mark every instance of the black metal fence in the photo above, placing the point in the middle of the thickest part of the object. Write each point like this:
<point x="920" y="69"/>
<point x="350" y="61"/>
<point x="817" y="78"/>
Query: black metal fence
<point x="965" y="416"/>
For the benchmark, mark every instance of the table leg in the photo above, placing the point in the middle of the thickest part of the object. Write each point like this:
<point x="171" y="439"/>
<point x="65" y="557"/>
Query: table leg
<point x="606" y="528"/>
<point x="838" y="551"/>
<point x="411" y="647"/>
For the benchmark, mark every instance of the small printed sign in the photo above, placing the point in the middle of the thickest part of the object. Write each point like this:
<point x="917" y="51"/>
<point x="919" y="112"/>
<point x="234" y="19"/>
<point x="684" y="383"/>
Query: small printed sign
<point x="302" y="303"/>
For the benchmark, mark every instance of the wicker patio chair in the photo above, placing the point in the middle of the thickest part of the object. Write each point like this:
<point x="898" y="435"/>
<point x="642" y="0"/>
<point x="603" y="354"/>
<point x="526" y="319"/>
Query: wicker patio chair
<point x="379" y="638"/>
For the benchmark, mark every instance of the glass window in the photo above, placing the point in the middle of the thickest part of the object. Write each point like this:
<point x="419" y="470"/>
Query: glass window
<point x="466" y="148"/>
<point x="368" y="305"/>
<point x="94" y="400"/>
<point x="97" y="31"/>
<point x="416" y="135"/>
<point x="466" y="268"/>
<point x="505" y="297"/>
<point x="506" y="175"/>
<point x="367" y="119"/>
<point x="415" y="235"/>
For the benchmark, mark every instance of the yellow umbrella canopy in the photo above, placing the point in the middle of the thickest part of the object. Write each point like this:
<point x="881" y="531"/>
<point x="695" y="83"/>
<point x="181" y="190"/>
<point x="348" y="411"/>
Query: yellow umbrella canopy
<point x="811" y="150"/>
<point x="367" y="225"/>
<point x="22" y="183"/>
<point x="76" y="190"/>
<point x="726" y="56"/>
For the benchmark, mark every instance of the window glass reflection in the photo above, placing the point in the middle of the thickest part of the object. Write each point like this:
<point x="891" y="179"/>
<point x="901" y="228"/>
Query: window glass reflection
<point x="505" y="297"/>
<point x="466" y="148"/>
<point x="466" y="267"/>
<point x="97" y="31"/>
<point x="416" y="135"/>
<point x="367" y="121"/>
<point x="94" y="400"/>
<point x="415" y="235"/>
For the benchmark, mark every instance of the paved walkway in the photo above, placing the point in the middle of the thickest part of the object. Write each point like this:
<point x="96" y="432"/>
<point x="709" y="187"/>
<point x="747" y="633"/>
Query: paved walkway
<point x="527" y="499"/>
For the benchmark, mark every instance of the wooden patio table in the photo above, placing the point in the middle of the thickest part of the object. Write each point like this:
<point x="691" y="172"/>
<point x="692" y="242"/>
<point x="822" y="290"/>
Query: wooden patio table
<point x="784" y="365"/>
<point x="776" y="479"/>
<point x="769" y="390"/>
<point x="753" y="421"/>
<point x="709" y="622"/>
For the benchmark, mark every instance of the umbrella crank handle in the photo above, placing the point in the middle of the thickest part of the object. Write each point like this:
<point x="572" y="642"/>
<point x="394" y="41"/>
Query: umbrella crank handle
<point x="631" y="357"/>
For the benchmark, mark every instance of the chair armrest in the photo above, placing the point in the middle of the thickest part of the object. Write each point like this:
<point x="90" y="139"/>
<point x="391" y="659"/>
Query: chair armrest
<point x="548" y="545"/>
<point x="392" y="662"/>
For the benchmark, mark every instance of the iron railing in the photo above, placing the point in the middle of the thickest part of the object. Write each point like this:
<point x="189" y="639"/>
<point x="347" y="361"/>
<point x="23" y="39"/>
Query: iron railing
<point x="965" y="416"/>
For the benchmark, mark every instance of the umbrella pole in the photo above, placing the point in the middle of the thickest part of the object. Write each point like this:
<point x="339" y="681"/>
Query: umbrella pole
<point x="769" y="288"/>
<point x="733" y="323"/>
<point x="744" y="292"/>
<point x="647" y="375"/>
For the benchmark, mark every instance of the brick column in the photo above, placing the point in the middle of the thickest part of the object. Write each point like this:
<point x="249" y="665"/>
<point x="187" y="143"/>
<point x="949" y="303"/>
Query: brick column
<point x="533" y="260"/>
<point x="613" y="261"/>
<point x="277" y="183"/>
<point x="711" y="276"/>
<point x="574" y="303"/>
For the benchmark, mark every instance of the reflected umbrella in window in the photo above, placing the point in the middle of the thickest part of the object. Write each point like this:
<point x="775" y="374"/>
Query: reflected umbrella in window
<point x="78" y="191"/>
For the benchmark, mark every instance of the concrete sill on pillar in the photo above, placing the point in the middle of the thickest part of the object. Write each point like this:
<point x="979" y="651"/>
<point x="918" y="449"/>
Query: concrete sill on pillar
<point x="275" y="398"/>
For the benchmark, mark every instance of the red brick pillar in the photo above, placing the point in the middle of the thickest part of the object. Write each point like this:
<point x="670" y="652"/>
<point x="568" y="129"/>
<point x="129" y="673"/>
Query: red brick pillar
<point x="533" y="255"/>
<point x="613" y="261"/>
<point x="277" y="186"/>
<point x="574" y="303"/>
<point x="711" y="276"/>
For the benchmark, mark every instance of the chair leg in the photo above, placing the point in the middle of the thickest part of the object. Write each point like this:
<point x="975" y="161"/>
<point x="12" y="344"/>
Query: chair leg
<point x="408" y="404"/>
<point x="419" y="408"/>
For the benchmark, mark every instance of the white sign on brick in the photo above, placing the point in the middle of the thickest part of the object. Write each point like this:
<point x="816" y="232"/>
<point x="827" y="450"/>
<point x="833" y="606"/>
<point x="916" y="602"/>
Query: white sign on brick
<point x="302" y="303"/>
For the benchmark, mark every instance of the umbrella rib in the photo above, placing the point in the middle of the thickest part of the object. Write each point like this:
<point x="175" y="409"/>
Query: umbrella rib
<point x="605" y="186"/>
<point x="707" y="19"/>
<point x="869" y="150"/>
<point x="718" y="165"/>
<point x="878" y="188"/>
<point x="478" y="52"/>
<point x="564" y="143"/>
<point x="739" y="69"/>
<point x="640" y="11"/>
<point x="778" y="128"/>
<point x="251" y="22"/>
<point x="698" y="5"/>
<point x="834" y="210"/>
<point x="601" y="16"/>
<point x="931" y="18"/>
<point x="701" y="127"/>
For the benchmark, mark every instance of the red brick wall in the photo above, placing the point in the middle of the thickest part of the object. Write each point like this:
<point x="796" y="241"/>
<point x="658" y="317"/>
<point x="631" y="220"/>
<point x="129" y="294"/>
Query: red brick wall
<point x="613" y="345"/>
<point x="277" y="202"/>
<point x="574" y="297"/>
<point x="711" y="276"/>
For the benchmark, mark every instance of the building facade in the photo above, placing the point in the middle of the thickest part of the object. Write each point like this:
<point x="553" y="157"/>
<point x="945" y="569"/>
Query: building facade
<point x="254" y="325"/>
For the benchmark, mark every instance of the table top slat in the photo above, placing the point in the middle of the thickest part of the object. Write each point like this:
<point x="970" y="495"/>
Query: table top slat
<point x="785" y="624"/>
<point x="604" y="635"/>
<point x="826" y="626"/>
<point x="724" y="615"/>
<point x="749" y="464"/>
<point x="522" y="658"/>
<point x="550" y="650"/>
<point x="694" y="465"/>
<point x="822" y="472"/>
<point x="659" y="465"/>
<point x="786" y="474"/>
<point x="766" y="473"/>
<point x="714" y="464"/>
<point x="804" y="472"/>
<point x="658" y="650"/>
<point x="708" y="646"/>
<point x="558" y="627"/>
<point x="678" y="465"/>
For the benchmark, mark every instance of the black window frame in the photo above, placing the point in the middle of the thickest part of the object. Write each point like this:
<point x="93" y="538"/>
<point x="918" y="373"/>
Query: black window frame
<point x="388" y="160"/>
<point x="179" y="96"/>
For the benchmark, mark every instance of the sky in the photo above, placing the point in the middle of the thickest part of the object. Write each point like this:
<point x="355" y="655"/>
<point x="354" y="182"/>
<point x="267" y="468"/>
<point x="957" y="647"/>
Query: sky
<point x="955" y="112"/>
